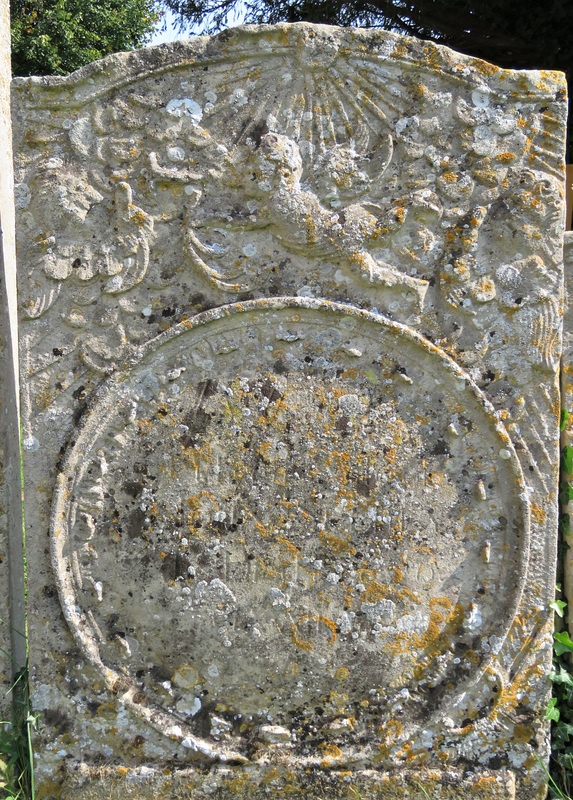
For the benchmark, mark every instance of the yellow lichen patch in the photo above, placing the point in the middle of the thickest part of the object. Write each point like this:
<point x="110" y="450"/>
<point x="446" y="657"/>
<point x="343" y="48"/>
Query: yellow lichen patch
<point x="283" y="553"/>
<point x="418" y="756"/>
<point x="107" y="711"/>
<point x="337" y="704"/>
<point x="306" y="644"/>
<point x="291" y="669"/>
<point x="400" y="51"/>
<point x="434" y="479"/>
<point x="238" y="783"/>
<point x="330" y="750"/>
<point x="538" y="514"/>
<point x="186" y="677"/>
<point x="506" y="158"/>
<point x="272" y="775"/>
<point x="390" y="736"/>
<point x="523" y="733"/>
<point x="335" y="544"/>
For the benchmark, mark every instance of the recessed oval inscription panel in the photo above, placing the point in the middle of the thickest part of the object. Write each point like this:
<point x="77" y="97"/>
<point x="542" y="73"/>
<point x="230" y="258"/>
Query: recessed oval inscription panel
<point x="287" y="516"/>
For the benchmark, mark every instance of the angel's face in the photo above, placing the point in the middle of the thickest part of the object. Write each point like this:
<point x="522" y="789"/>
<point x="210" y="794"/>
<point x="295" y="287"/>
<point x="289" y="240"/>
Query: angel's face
<point x="278" y="157"/>
<point x="339" y="175"/>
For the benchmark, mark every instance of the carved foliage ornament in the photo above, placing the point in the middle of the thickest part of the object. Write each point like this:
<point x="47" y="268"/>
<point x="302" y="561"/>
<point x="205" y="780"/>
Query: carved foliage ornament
<point x="360" y="168"/>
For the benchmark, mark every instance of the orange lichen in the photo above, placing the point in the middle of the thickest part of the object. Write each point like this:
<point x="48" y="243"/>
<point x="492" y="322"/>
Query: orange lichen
<point x="305" y="644"/>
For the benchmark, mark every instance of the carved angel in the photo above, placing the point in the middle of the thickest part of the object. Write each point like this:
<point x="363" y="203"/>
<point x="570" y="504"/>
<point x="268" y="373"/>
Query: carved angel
<point x="270" y="176"/>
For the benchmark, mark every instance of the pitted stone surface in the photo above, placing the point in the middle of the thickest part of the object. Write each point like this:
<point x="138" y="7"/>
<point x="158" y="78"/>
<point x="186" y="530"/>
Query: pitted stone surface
<point x="263" y="480"/>
<point x="291" y="327"/>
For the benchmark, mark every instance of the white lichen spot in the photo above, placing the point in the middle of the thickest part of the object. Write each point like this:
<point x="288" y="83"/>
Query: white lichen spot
<point x="473" y="620"/>
<point x="249" y="250"/>
<point x="238" y="97"/>
<point x="185" y="106"/>
<point x="350" y="404"/>
<point x="279" y="598"/>
<point x="480" y="98"/>
<point x="54" y="163"/>
<point x="381" y="611"/>
<point x="219" y="726"/>
<point x="173" y="374"/>
<point x="175" y="153"/>
<point x="344" y="623"/>
<point x="273" y="734"/>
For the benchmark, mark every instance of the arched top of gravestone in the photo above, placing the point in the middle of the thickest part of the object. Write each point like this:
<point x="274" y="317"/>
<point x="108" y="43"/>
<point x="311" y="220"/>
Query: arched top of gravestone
<point x="352" y="148"/>
<point x="316" y="49"/>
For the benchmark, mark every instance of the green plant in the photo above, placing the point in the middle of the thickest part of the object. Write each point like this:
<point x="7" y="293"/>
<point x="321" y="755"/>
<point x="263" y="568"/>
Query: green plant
<point x="55" y="37"/>
<point x="555" y="790"/>
<point x="16" y="761"/>
<point x="560" y="707"/>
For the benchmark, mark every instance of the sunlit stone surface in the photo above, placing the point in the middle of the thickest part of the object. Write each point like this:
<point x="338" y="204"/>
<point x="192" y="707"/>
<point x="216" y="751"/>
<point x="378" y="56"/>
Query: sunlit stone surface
<point x="291" y="323"/>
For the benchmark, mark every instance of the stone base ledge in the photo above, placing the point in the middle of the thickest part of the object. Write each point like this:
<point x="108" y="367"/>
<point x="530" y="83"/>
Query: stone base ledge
<point x="142" y="783"/>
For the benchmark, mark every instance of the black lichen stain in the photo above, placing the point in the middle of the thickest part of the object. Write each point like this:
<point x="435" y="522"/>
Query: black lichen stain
<point x="175" y="565"/>
<point x="197" y="422"/>
<point x="136" y="524"/>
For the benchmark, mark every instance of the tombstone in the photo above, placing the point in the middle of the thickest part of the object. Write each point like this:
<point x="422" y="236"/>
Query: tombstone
<point x="290" y="337"/>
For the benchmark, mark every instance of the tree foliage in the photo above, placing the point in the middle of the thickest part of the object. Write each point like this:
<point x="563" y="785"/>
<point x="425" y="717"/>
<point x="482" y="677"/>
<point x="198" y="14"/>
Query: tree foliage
<point x="54" y="37"/>
<point x="504" y="31"/>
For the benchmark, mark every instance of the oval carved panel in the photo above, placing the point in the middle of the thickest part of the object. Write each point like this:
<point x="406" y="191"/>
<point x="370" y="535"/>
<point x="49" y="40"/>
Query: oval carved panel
<point x="289" y="518"/>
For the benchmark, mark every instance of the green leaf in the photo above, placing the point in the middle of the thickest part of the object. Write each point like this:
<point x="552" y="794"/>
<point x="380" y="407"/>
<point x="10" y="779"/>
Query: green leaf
<point x="565" y="493"/>
<point x="563" y="676"/>
<point x="552" y="712"/>
<point x="567" y="459"/>
<point x="563" y="643"/>
<point x="561" y="735"/>
<point x="564" y="525"/>
<point x="566" y="729"/>
<point x="565" y="415"/>
<point x="558" y="606"/>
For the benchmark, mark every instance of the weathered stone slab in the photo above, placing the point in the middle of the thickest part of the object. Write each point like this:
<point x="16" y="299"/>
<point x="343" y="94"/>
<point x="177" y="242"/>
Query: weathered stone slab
<point x="12" y="618"/>
<point x="291" y="328"/>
